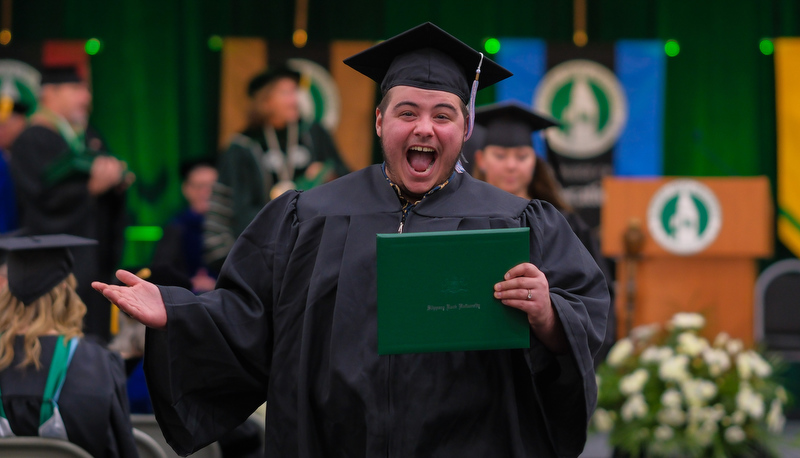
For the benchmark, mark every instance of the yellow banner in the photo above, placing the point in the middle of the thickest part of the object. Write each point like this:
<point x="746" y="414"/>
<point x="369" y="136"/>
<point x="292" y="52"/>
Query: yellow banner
<point x="787" y="94"/>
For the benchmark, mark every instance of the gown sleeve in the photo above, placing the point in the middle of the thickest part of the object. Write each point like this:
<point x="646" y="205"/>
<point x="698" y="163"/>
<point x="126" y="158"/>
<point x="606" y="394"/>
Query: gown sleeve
<point x="565" y="385"/>
<point x="209" y="369"/>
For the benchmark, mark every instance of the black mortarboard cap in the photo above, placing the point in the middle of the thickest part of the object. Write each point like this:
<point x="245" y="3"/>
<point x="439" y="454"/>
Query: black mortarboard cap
<point x="426" y="57"/>
<point x="37" y="264"/>
<point x="511" y="123"/>
<point x="61" y="74"/>
<point x="268" y="76"/>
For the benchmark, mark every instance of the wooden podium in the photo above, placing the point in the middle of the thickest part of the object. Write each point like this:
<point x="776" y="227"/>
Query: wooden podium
<point x="697" y="255"/>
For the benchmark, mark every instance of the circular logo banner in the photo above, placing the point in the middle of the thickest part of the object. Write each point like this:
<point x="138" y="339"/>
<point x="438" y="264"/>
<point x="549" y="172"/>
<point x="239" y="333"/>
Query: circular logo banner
<point x="590" y="103"/>
<point x="319" y="95"/>
<point x="684" y="217"/>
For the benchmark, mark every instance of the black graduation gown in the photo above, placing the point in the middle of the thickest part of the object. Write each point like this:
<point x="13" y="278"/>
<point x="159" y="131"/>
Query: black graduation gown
<point x="93" y="402"/>
<point x="293" y="321"/>
<point x="66" y="207"/>
<point x="589" y="240"/>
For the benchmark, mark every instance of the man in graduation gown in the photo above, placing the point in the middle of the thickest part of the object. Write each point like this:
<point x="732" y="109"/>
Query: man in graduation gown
<point x="293" y="319"/>
<point x="67" y="182"/>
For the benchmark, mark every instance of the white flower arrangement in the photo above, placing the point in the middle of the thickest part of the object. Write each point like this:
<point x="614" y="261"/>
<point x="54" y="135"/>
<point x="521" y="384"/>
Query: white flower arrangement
<point x="671" y="392"/>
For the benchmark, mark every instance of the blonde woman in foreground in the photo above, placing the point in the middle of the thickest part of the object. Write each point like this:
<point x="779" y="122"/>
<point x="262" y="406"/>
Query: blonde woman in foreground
<point x="53" y="383"/>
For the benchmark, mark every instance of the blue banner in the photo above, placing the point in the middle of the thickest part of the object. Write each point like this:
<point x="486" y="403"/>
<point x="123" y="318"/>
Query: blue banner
<point x="640" y="66"/>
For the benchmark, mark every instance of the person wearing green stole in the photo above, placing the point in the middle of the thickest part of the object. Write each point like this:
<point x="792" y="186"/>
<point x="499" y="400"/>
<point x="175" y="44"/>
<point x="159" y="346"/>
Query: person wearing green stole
<point x="277" y="152"/>
<point x="53" y="383"/>
<point x="67" y="182"/>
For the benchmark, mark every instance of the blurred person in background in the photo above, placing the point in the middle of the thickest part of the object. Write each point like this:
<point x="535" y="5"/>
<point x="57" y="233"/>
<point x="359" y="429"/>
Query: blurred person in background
<point x="276" y="153"/>
<point x="508" y="161"/>
<point x="19" y="90"/>
<point x="181" y="247"/>
<point x="53" y="383"/>
<point x="67" y="182"/>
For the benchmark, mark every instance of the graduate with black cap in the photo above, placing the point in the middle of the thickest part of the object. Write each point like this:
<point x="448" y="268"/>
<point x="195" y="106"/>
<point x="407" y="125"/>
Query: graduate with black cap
<point x="66" y="181"/>
<point x="507" y="159"/>
<point x="293" y="320"/>
<point x="52" y="382"/>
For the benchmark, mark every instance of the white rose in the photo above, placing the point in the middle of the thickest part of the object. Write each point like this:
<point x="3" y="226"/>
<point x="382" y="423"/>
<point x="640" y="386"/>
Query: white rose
<point x="705" y="415"/>
<point x="687" y="321"/>
<point x="671" y="416"/>
<point x="718" y="361"/>
<point x="671" y="398"/>
<point x="634" y="407"/>
<point x="690" y="344"/>
<point x="620" y="352"/>
<point x="734" y="346"/>
<point x="674" y="368"/>
<point x="644" y="332"/>
<point x="760" y="366"/>
<point x="734" y="434"/>
<point x="603" y="420"/>
<point x="721" y="339"/>
<point x="655" y="354"/>
<point x="663" y="433"/>
<point x="750" y="402"/>
<point x="743" y="366"/>
<point x="633" y="383"/>
<point x="775" y="419"/>
<point x="698" y="391"/>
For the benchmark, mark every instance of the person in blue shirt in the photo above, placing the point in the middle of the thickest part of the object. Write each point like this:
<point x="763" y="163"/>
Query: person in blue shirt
<point x="19" y="89"/>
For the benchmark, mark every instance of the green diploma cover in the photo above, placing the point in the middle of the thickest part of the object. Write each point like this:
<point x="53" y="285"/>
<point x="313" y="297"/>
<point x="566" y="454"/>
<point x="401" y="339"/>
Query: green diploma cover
<point x="436" y="291"/>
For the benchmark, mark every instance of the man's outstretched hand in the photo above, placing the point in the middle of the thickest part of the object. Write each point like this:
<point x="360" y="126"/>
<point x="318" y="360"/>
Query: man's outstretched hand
<point x="140" y="299"/>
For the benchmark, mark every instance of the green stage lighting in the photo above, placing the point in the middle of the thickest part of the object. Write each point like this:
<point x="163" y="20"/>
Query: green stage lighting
<point x="143" y="233"/>
<point x="491" y="45"/>
<point x="672" y="48"/>
<point x="92" y="46"/>
<point x="215" y="43"/>
<point x="766" y="46"/>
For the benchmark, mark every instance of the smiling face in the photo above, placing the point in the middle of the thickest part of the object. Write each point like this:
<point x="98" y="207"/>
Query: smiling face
<point x="197" y="187"/>
<point x="71" y="100"/>
<point x="510" y="169"/>
<point x="422" y="132"/>
<point x="277" y="102"/>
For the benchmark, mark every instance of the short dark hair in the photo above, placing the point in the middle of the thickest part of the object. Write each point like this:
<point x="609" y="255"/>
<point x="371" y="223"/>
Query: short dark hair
<point x="187" y="168"/>
<point x="274" y="74"/>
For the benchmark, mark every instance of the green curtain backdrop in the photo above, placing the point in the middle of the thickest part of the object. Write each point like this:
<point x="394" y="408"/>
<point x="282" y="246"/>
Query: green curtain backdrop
<point x="156" y="82"/>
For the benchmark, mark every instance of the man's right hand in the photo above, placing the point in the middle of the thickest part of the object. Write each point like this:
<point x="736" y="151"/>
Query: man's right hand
<point x="106" y="173"/>
<point x="140" y="299"/>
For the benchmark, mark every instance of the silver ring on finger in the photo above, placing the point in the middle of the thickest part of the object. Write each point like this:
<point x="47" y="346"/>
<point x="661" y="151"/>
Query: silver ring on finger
<point x="530" y="294"/>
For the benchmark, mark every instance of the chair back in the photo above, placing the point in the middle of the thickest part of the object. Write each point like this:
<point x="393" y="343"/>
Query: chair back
<point x="777" y="307"/>
<point x="147" y="424"/>
<point x="40" y="447"/>
<point x="147" y="446"/>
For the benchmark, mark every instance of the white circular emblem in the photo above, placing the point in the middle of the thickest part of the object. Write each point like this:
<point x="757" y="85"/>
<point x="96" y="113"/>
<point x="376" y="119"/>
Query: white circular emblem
<point x="684" y="217"/>
<point x="319" y="95"/>
<point x="590" y="103"/>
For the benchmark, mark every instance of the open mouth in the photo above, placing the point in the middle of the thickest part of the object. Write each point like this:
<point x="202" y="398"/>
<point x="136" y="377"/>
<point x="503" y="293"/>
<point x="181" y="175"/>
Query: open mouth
<point x="421" y="158"/>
